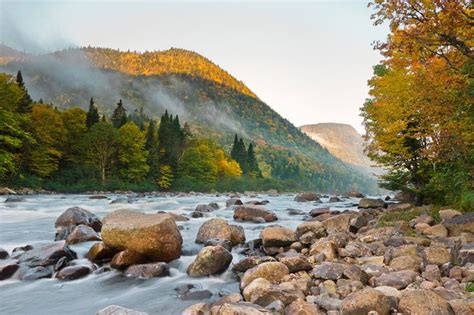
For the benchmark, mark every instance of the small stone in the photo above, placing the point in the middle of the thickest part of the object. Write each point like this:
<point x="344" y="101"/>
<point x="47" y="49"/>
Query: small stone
<point x="127" y="258"/>
<point x="436" y="255"/>
<point x="328" y="270"/>
<point x="296" y="263"/>
<point x="432" y="273"/>
<point x="354" y="272"/>
<point x="196" y="295"/>
<point x="3" y="254"/>
<point x="396" y="279"/>
<point x="147" y="271"/>
<point x="36" y="273"/>
<point x="7" y="268"/>
<point x="250" y="262"/>
<point x="73" y="272"/>
<point x="99" y="252"/>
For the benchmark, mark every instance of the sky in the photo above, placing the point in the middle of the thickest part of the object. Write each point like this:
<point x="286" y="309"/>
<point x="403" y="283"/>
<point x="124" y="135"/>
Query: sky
<point x="308" y="60"/>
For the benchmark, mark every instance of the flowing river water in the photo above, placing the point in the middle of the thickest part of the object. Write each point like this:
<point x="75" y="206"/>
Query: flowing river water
<point x="32" y="222"/>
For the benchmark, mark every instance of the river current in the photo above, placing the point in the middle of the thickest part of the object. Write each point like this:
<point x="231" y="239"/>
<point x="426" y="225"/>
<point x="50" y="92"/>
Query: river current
<point x="32" y="222"/>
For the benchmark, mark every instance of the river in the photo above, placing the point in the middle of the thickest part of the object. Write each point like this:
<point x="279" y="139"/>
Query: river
<point x="32" y="222"/>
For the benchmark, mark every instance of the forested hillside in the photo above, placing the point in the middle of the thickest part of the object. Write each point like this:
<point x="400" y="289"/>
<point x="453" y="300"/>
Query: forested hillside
<point x="215" y="105"/>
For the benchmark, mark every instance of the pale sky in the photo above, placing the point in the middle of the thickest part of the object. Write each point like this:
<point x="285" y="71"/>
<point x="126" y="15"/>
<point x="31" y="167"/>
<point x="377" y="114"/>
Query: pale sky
<point x="309" y="60"/>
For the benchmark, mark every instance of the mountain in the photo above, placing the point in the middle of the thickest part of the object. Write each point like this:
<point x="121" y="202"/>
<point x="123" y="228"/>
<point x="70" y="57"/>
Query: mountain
<point x="342" y="141"/>
<point x="215" y="104"/>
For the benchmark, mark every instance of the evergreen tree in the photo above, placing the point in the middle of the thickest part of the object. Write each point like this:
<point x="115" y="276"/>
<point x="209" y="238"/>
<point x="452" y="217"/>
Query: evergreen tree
<point x="151" y="145"/>
<point x="25" y="104"/>
<point x="242" y="156"/>
<point x="233" y="152"/>
<point x="92" y="115"/>
<point x="119" y="117"/>
<point x="253" y="168"/>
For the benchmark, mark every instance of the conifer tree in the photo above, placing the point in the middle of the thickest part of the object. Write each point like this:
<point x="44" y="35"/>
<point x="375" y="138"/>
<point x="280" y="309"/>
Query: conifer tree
<point x="92" y="115"/>
<point x="252" y="164"/>
<point x="119" y="117"/>
<point x="25" y="104"/>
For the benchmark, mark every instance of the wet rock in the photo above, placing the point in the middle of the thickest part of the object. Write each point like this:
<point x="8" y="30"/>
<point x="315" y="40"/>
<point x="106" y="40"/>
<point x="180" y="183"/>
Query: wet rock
<point x="239" y="309"/>
<point x="423" y="302"/>
<point x="334" y="199"/>
<point x="118" y="310"/>
<point x="448" y="214"/>
<point x="300" y="307"/>
<point x="319" y="211"/>
<point x="271" y="271"/>
<point x="196" y="215"/>
<point x="237" y="236"/>
<point x="127" y="258"/>
<point x="277" y="236"/>
<point x="197" y="309"/>
<point x="147" y="271"/>
<point x="75" y="216"/>
<point x="257" y="202"/>
<point x="397" y="279"/>
<point x="307" y="196"/>
<point x="155" y="236"/>
<point x="250" y="262"/>
<point x="82" y="233"/>
<point x="46" y="254"/>
<point x="233" y="202"/>
<point x="214" y="229"/>
<point x="184" y="288"/>
<point x="362" y="302"/>
<point x="15" y="199"/>
<point x="207" y="208"/>
<point x="120" y="200"/>
<point x="466" y="254"/>
<point x="296" y="263"/>
<point x="327" y="303"/>
<point x="295" y="212"/>
<point x="210" y="260"/>
<point x="176" y="217"/>
<point x="338" y="223"/>
<point x="367" y="203"/>
<point x="73" y="273"/>
<point x="328" y="270"/>
<point x="215" y="241"/>
<point x="460" y="224"/>
<point x="3" y="254"/>
<point x="196" y="295"/>
<point x="99" y="252"/>
<point x="436" y="255"/>
<point x="98" y="197"/>
<point x="253" y="213"/>
<point x="36" y="273"/>
<point x="315" y="227"/>
<point x="7" y="268"/>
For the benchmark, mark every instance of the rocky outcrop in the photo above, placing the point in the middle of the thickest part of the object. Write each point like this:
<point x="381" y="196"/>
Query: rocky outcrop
<point x="155" y="236"/>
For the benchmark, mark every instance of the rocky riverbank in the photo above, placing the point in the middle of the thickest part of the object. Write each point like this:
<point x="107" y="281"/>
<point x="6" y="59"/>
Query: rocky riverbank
<point x="383" y="259"/>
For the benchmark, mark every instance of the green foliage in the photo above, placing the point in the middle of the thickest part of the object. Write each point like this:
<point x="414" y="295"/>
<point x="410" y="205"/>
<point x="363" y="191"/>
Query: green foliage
<point x="119" y="117"/>
<point x="470" y="287"/>
<point x="92" y="115"/>
<point x="131" y="153"/>
<point x="410" y="214"/>
<point x="25" y="103"/>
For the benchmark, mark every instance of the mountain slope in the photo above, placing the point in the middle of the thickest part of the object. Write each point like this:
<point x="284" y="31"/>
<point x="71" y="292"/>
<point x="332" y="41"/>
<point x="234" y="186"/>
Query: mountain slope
<point x="213" y="102"/>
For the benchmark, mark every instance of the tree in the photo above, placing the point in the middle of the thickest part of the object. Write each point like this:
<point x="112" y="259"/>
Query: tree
<point x="92" y="114"/>
<point x="100" y="147"/>
<point x="24" y="106"/>
<point x="151" y="145"/>
<point x="131" y="153"/>
<point x="166" y="177"/>
<point x="252" y="163"/>
<point x="74" y="121"/>
<point x="119" y="117"/>
<point x="48" y="130"/>
<point x="12" y="134"/>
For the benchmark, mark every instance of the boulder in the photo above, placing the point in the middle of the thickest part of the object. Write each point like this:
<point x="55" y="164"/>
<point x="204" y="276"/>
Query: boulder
<point x="334" y="199"/>
<point x="147" y="271"/>
<point x="233" y="202"/>
<point x="327" y="303"/>
<point x="196" y="295"/>
<point x="436" y="230"/>
<point x="315" y="227"/>
<point x="119" y="310"/>
<point x="36" y="273"/>
<point x="237" y="236"/>
<point x="7" y="268"/>
<point x="356" y="273"/>
<point x="229" y="298"/>
<point x="397" y="279"/>
<point x="300" y="307"/>
<point x="436" y="255"/>
<point x="296" y="263"/>
<point x="271" y="271"/>
<point x="207" y="208"/>
<point x="367" y="203"/>
<point x="46" y="254"/>
<point x="7" y="191"/>
<point x="423" y="302"/>
<point x="277" y="236"/>
<point x="328" y="270"/>
<point x="425" y="218"/>
<point x="155" y="236"/>
<point x="73" y="217"/>
<point x="338" y="223"/>
<point x="73" y="272"/>
<point x="365" y="301"/>
<point x="4" y="254"/>
<point x="406" y="263"/>
<point x="197" y="309"/>
<point x="460" y="224"/>
<point x="250" y="262"/>
<point x="255" y="289"/>
<point x="307" y="196"/>
<point x="448" y="214"/>
<point x="239" y="308"/>
<point x="253" y="213"/>
<point x="319" y="211"/>
<point x="328" y="248"/>
<point x="466" y="254"/>
<point x="127" y="258"/>
<point x="82" y="233"/>
<point x="210" y="260"/>
<point x="99" y="252"/>
<point x="217" y="241"/>
<point x="214" y="229"/>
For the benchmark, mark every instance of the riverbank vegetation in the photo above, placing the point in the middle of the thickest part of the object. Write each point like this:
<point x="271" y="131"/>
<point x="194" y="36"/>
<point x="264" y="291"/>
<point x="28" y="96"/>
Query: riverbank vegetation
<point x="420" y="113"/>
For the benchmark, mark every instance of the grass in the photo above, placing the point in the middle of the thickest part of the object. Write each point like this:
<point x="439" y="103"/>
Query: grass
<point x="408" y="215"/>
<point x="470" y="287"/>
